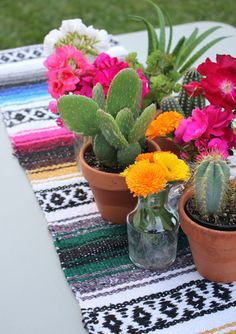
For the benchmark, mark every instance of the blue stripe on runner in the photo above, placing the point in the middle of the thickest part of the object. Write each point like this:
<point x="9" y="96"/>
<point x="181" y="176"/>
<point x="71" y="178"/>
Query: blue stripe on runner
<point x="23" y="93"/>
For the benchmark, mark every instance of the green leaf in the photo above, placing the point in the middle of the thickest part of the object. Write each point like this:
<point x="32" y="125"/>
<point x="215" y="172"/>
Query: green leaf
<point x="178" y="47"/>
<point x="199" y="53"/>
<point x="152" y="36"/>
<point x="162" y="36"/>
<point x="191" y="46"/>
<point x="98" y="96"/>
<point x="170" y="33"/>
<point x="123" y="92"/>
<point x="140" y="126"/>
<point x="192" y="37"/>
<point x="78" y="113"/>
<point x="110" y="130"/>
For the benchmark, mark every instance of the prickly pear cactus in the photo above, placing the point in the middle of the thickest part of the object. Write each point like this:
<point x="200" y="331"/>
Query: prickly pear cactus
<point x="116" y="124"/>
<point x="186" y="102"/>
<point x="210" y="181"/>
<point x="171" y="103"/>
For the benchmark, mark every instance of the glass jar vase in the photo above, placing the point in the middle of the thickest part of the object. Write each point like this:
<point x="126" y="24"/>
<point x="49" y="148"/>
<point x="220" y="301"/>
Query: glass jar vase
<point x="153" y="232"/>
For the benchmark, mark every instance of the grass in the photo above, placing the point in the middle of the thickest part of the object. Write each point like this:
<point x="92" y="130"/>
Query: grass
<point x="27" y="22"/>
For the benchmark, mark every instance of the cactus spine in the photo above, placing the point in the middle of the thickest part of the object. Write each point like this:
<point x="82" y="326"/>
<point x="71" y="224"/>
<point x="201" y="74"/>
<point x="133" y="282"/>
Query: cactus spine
<point x="210" y="181"/>
<point x="186" y="102"/>
<point x="171" y="103"/>
<point x="116" y="124"/>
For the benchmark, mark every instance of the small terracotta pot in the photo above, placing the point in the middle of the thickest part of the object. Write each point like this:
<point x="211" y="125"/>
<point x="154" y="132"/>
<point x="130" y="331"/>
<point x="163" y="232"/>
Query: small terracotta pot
<point x="214" y="251"/>
<point x="167" y="144"/>
<point x="113" y="198"/>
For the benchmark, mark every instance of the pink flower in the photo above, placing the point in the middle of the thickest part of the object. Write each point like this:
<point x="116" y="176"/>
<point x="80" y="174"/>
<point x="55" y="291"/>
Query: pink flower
<point x="193" y="89"/>
<point x="59" y="122"/>
<point x="219" y="82"/>
<point x="220" y="146"/>
<point x="53" y="107"/>
<point x="68" y="78"/>
<point x="56" y="88"/>
<point x="106" y="69"/>
<point x="145" y="88"/>
<point x="211" y="121"/>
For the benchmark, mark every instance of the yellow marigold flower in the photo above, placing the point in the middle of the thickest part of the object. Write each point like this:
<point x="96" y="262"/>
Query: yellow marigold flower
<point x="144" y="178"/>
<point x="175" y="169"/>
<point x="164" y="124"/>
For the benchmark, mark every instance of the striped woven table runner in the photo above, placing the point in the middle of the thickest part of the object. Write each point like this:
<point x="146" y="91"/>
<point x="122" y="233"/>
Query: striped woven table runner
<point x="114" y="295"/>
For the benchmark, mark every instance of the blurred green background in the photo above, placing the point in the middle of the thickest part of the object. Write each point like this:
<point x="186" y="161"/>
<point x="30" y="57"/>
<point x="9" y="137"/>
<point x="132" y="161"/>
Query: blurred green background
<point x="27" y="22"/>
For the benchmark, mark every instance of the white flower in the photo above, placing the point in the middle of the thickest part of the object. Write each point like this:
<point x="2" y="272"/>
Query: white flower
<point x="50" y="40"/>
<point x="89" y="40"/>
<point x="103" y="41"/>
<point x="75" y="25"/>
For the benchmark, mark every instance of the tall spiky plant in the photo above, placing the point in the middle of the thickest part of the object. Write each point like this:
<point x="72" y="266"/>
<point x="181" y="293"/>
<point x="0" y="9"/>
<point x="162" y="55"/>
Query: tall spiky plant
<point x="167" y="64"/>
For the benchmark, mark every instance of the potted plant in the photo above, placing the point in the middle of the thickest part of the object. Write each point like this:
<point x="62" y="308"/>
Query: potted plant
<point x="167" y="64"/>
<point x="116" y="126"/>
<point x="208" y="217"/>
<point x="153" y="225"/>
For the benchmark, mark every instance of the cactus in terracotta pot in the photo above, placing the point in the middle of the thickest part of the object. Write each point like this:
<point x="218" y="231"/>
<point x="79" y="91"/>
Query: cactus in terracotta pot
<point x="116" y="124"/>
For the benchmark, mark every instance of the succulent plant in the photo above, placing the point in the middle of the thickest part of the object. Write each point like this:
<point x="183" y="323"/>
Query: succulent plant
<point x="116" y="123"/>
<point x="188" y="103"/>
<point x="171" y="103"/>
<point x="210" y="182"/>
<point x="184" y="48"/>
<point x="167" y="64"/>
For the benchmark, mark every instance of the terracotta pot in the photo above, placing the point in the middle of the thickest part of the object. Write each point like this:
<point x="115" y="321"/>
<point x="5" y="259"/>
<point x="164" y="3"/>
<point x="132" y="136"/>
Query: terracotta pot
<point x="214" y="251"/>
<point x="167" y="144"/>
<point x="113" y="198"/>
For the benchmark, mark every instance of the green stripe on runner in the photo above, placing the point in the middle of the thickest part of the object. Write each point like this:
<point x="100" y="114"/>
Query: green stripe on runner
<point x="93" y="267"/>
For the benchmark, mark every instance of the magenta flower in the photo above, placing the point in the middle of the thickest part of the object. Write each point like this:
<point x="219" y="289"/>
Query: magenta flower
<point x="193" y="89"/>
<point x="219" y="82"/>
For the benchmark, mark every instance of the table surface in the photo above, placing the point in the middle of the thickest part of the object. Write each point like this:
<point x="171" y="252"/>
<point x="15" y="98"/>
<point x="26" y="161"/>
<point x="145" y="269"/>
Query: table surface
<point x="35" y="298"/>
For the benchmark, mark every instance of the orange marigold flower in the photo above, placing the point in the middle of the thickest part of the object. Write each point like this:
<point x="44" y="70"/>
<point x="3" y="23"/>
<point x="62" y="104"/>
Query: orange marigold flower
<point x="164" y="124"/>
<point x="145" y="156"/>
<point x="144" y="178"/>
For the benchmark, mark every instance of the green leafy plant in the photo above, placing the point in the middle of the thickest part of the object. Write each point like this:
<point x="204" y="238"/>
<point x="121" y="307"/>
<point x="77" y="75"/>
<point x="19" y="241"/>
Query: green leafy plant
<point x="167" y="64"/>
<point x="116" y="124"/>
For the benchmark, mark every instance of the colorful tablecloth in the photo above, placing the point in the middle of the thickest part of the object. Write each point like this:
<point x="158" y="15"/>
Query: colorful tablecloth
<point x="114" y="295"/>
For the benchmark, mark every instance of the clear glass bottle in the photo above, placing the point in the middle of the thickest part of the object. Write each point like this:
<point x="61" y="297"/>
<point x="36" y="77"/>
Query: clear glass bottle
<point x="153" y="232"/>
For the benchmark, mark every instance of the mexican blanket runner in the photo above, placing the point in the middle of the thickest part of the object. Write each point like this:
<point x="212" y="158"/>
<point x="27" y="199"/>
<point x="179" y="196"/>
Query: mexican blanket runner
<point x="114" y="295"/>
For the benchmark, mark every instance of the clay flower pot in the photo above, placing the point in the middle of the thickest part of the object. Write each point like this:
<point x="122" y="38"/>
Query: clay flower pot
<point x="214" y="251"/>
<point x="113" y="198"/>
<point x="167" y="144"/>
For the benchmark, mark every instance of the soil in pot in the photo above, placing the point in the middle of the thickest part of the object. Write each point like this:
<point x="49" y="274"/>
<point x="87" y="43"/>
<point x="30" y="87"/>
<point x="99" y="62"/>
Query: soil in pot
<point x="224" y="222"/>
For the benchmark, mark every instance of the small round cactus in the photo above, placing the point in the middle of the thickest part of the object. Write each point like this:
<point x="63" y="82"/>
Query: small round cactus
<point x="171" y="103"/>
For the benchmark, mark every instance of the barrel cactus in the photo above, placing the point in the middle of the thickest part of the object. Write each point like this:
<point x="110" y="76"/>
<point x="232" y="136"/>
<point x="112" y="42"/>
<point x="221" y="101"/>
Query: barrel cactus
<point x="210" y="182"/>
<point x="116" y="123"/>
<point x="170" y="103"/>
<point x="188" y="103"/>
